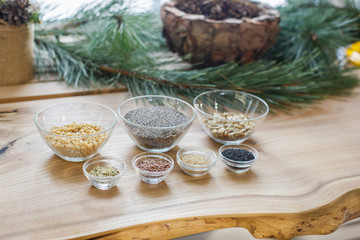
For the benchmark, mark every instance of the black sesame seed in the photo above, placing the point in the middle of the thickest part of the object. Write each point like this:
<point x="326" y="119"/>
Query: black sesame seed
<point x="238" y="154"/>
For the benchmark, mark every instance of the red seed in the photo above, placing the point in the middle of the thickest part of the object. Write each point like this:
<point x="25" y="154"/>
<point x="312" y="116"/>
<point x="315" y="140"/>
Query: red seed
<point x="153" y="164"/>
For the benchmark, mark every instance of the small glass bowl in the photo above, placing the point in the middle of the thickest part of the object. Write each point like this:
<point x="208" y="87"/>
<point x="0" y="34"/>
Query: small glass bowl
<point x="238" y="166"/>
<point x="196" y="169"/>
<point x="152" y="177"/>
<point x="229" y="116"/>
<point x="104" y="183"/>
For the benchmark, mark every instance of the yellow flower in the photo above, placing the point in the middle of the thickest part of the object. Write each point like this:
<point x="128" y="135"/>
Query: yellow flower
<point x="353" y="53"/>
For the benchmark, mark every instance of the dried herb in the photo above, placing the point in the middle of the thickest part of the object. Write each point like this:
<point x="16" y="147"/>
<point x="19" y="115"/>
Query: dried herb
<point x="15" y="12"/>
<point x="101" y="171"/>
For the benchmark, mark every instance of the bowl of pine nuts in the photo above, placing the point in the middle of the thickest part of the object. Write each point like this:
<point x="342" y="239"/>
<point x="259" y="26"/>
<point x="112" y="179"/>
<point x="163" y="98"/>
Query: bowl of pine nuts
<point x="76" y="131"/>
<point x="229" y="116"/>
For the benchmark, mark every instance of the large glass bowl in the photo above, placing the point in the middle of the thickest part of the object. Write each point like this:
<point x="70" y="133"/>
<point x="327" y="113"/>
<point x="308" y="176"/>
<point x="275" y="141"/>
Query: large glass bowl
<point x="228" y="116"/>
<point x="76" y="131"/>
<point x="156" y="123"/>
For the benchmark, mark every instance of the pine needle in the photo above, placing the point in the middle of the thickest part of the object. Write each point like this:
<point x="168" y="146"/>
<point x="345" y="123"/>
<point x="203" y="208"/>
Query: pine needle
<point x="110" y="44"/>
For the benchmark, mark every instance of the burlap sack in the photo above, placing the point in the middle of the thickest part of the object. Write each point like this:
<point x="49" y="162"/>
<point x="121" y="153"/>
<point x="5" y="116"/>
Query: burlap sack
<point x="16" y="53"/>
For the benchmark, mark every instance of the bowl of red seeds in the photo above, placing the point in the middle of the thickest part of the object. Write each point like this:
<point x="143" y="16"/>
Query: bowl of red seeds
<point x="238" y="158"/>
<point x="152" y="168"/>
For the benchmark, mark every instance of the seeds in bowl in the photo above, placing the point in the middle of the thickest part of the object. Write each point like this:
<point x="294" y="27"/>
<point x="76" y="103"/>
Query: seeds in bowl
<point x="198" y="160"/>
<point x="238" y="154"/>
<point x="195" y="158"/>
<point x="103" y="171"/>
<point x="229" y="128"/>
<point x="153" y="164"/>
<point x="156" y="127"/>
<point x="76" y="140"/>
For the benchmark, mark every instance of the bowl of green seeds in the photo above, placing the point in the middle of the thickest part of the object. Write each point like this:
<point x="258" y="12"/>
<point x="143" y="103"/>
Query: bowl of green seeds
<point x="104" y="172"/>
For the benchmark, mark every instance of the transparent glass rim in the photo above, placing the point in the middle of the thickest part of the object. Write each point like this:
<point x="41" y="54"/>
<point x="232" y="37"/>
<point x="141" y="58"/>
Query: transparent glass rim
<point x="150" y="154"/>
<point x="238" y="146"/>
<point x="79" y="102"/>
<point x="156" y="128"/>
<point x="199" y="149"/>
<point x="100" y="159"/>
<point x="230" y="120"/>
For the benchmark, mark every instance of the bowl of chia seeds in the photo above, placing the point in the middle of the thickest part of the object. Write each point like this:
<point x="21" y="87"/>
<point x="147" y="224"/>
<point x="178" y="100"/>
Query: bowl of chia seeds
<point x="156" y="123"/>
<point x="229" y="116"/>
<point x="238" y="158"/>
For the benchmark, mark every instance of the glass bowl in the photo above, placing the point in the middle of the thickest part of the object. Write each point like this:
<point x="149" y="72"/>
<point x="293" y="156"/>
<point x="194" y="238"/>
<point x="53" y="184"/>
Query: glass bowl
<point x="228" y="116"/>
<point x="238" y="166"/>
<point x="102" y="165"/>
<point x="156" y="123"/>
<point x="76" y="131"/>
<point x="152" y="168"/>
<point x="195" y="160"/>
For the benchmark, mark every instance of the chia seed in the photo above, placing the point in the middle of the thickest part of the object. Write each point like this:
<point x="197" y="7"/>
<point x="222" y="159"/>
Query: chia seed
<point x="156" y="127"/>
<point x="238" y="154"/>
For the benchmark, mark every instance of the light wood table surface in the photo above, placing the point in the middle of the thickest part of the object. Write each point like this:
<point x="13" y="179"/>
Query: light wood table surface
<point x="307" y="179"/>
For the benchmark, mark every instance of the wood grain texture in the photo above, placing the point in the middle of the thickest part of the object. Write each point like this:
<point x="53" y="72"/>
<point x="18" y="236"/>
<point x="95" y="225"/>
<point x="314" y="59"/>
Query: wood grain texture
<point x="36" y="90"/>
<point x="322" y="220"/>
<point x="306" y="181"/>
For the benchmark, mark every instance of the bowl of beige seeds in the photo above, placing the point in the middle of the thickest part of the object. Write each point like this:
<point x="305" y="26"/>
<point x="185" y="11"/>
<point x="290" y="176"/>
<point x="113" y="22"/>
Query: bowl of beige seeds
<point x="76" y="131"/>
<point x="196" y="160"/>
<point x="229" y="116"/>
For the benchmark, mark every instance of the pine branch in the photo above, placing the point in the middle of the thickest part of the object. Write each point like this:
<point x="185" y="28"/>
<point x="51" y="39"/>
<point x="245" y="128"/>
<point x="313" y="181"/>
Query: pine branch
<point x="68" y="66"/>
<point x="313" y="26"/>
<point x="281" y="85"/>
<point x="117" y="47"/>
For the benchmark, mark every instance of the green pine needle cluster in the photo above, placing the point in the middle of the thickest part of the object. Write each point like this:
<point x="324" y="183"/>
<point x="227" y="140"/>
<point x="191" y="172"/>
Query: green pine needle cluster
<point x="107" y="43"/>
<point x="309" y="27"/>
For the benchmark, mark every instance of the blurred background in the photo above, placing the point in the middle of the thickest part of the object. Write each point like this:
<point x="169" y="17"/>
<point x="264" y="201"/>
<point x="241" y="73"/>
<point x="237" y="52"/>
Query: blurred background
<point x="65" y="8"/>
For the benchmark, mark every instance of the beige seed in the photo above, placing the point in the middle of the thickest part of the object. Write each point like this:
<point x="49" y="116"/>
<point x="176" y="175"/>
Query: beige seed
<point x="227" y="129"/>
<point x="76" y="147"/>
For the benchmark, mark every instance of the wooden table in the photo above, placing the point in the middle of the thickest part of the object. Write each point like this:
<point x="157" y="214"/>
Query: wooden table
<point x="307" y="179"/>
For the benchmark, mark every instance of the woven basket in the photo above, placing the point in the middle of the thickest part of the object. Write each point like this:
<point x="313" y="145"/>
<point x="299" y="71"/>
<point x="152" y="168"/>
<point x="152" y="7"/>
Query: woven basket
<point x="16" y="53"/>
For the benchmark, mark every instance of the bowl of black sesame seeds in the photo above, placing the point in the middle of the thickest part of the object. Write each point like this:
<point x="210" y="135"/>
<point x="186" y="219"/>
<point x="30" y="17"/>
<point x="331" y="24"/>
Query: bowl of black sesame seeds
<point x="156" y="123"/>
<point x="238" y="158"/>
<point x="229" y="116"/>
<point x="104" y="172"/>
<point x="152" y="168"/>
